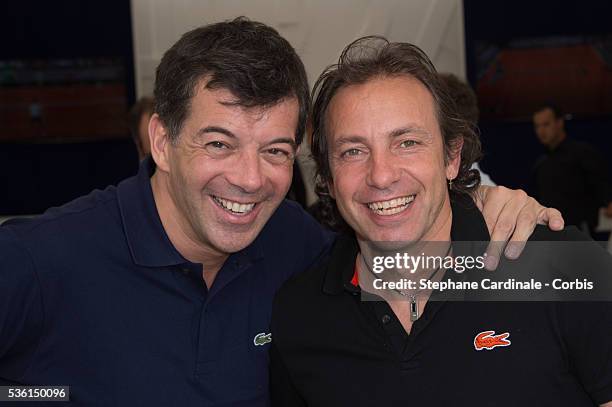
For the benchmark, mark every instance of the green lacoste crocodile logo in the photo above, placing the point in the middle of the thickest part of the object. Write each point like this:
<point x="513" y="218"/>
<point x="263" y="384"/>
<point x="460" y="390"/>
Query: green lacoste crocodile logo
<point x="262" y="338"/>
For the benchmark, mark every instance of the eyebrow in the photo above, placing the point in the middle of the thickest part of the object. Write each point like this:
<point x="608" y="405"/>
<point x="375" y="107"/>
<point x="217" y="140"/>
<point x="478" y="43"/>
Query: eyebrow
<point x="215" y="129"/>
<point x="409" y="129"/>
<point x="349" y="139"/>
<point x="285" y="140"/>
<point x="228" y="133"/>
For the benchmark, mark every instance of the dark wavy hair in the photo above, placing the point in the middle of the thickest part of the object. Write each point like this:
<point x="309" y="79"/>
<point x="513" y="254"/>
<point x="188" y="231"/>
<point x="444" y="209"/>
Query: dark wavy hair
<point x="463" y="96"/>
<point x="250" y="59"/>
<point x="371" y="57"/>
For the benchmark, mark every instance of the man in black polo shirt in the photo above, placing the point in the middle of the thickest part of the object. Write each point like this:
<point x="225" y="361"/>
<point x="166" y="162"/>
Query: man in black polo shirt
<point x="572" y="175"/>
<point x="396" y="158"/>
<point x="159" y="292"/>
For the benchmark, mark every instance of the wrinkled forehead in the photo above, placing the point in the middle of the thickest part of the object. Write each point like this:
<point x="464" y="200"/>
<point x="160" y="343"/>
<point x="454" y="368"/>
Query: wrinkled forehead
<point x="255" y="102"/>
<point x="218" y="112"/>
<point x="382" y="105"/>
<point x="224" y="97"/>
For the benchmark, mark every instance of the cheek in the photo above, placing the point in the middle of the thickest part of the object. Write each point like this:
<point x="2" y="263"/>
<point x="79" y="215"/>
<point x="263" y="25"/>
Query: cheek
<point x="198" y="174"/>
<point x="343" y="190"/>
<point x="279" y="177"/>
<point x="426" y="169"/>
<point x="197" y="177"/>
<point x="345" y="187"/>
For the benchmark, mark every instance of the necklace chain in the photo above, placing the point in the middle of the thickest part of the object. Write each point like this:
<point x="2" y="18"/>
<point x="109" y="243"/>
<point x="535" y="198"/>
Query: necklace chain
<point x="414" y="305"/>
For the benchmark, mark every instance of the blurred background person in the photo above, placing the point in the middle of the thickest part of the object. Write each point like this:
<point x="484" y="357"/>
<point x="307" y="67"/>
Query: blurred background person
<point x="467" y="106"/>
<point x="572" y="175"/>
<point x="138" y="121"/>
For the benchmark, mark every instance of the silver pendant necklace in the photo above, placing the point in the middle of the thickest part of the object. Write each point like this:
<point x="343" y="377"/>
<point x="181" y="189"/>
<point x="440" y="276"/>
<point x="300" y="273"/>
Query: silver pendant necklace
<point x="414" y="304"/>
<point x="414" y="308"/>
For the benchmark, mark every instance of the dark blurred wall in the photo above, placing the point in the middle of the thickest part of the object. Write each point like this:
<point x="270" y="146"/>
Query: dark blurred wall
<point x="37" y="174"/>
<point x="511" y="148"/>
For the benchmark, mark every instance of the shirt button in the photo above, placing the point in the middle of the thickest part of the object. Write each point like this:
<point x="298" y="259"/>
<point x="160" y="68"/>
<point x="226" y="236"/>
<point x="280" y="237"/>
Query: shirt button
<point x="385" y="319"/>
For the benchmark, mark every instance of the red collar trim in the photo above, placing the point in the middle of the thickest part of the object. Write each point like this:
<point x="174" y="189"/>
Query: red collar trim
<point x="355" y="279"/>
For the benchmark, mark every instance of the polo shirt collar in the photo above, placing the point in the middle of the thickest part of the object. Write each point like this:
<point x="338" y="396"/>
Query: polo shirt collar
<point x="147" y="240"/>
<point x="340" y="269"/>
<point x="468" y="226"/>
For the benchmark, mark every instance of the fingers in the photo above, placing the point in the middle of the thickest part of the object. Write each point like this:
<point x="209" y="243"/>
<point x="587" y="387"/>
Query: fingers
<point x="494" y="200"/>
<point x="508" y="217"/>
<point x="511" y="217"/>
<point x="531" y="214"/>
<point x="480" y="195"/>
<point x="493" y="254"/>
<point x="505" y="226"/>
<point x="499" y="237"/>
<point x="525" y="225"/>
<point x="552" y="217"/>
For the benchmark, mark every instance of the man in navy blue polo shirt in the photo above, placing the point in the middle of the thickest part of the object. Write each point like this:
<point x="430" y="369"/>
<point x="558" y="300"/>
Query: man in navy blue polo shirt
<point x="158" y="291"/>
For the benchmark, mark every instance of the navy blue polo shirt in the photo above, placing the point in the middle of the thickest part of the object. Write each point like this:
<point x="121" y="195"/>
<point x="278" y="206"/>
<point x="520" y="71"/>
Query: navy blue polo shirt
<point x="93" y="295"/>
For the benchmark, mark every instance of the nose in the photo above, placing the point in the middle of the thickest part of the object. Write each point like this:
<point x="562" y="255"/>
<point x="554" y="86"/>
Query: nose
<point x="247" y="174"/>
<point x="382" y="172"/>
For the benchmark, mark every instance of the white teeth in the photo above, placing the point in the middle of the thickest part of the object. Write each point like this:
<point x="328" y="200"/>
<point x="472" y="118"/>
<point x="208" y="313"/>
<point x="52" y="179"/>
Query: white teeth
<point x="391" y="206"/>
<point x="235" y="207"/>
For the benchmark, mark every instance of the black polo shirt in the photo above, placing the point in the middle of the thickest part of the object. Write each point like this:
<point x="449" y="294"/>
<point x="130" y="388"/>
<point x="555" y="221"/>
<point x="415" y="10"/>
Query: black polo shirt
<point x="332" y="349"/>
<point x="93" y="295"/>
<point x="573" y="177"/>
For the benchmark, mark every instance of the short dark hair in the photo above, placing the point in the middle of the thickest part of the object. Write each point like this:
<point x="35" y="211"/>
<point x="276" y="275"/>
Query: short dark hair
<point x="144" y="105"/>
<point x="249" y="59"/>
<point x="374" y="56"/>
<point x="464" y="97"/>
<point x="558" y="113"/>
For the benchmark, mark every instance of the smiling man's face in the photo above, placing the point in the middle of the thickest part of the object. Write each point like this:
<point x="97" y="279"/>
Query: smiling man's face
<point x="387" y="161"/>
<point x="229" y="169"/>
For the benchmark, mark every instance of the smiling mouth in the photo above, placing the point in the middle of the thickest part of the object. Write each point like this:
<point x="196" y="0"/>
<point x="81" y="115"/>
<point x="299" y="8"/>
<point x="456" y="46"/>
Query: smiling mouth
<point x="392" y="206"/>
<point x="236" y="208"/>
